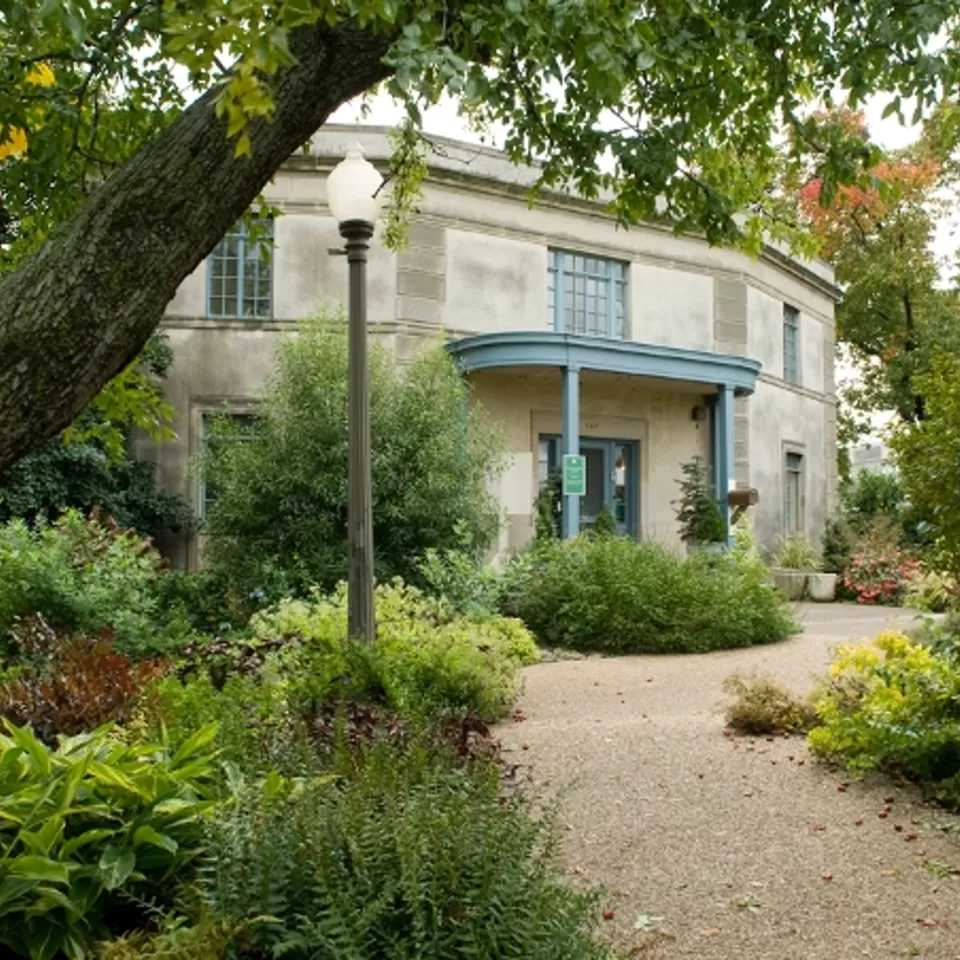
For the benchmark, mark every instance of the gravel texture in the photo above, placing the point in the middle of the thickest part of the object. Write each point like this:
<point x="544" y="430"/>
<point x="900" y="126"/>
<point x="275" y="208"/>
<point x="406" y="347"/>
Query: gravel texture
<point x="744" y="848"/>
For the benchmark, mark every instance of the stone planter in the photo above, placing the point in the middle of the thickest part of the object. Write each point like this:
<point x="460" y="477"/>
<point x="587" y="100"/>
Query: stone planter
<point x="823" y="587"/>
<point x="791" y="583"/>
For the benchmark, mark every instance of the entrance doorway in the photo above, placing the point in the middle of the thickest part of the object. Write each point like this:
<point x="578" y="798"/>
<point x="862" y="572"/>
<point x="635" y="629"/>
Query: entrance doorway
<point x="612" y="478"/>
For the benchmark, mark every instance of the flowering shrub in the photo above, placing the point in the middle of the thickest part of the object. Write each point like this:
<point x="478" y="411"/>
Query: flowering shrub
<point x="881" y="579"/>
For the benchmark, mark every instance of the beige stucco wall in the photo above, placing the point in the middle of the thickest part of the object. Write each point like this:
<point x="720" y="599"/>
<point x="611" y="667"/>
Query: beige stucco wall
<point x="489" y="284"/>
<point x="781" y="420"/>
<point x="670" y="306"/>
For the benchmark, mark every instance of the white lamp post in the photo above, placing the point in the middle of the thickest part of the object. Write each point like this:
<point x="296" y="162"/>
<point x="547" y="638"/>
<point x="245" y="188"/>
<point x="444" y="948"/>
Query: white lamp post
<point x="353" y="197"/>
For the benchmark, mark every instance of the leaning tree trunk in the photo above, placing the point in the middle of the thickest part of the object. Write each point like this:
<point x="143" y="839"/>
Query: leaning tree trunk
<point x="80" y="309"/>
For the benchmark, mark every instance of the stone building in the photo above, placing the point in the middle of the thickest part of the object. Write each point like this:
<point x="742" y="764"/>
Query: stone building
<point x="652" y="347"/>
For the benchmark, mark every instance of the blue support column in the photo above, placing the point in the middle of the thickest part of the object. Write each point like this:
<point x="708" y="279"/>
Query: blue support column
<point x="571" y="444"/>
<point x="723" y="451"/>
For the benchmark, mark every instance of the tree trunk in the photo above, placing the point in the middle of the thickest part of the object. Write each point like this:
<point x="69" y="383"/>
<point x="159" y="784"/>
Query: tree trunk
<point x="80" y="309"/>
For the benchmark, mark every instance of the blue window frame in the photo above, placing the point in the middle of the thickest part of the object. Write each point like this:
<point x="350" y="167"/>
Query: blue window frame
<point x="222" y="428"/>
<point x="587" y="294"/>
<point x="791" y="330"/>
<point x="240" y="276"/>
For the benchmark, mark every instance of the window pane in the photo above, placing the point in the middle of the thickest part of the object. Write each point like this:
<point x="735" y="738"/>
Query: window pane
<point x="791" y="319"/>
<point x="594" y="293"/>
<point x="792" y="489"/>
<point x="240" y="277"/>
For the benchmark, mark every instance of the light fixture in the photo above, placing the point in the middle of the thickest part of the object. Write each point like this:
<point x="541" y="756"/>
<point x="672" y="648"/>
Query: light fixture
<point x="353" y="195"/>
<point x="353" y="188"/>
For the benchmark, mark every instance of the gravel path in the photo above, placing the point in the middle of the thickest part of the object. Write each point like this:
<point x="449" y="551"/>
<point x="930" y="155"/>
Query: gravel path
<point x="745" y="848"/>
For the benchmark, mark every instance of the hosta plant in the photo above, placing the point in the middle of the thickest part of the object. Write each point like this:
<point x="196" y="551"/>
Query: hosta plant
<point x="88" y="819"/>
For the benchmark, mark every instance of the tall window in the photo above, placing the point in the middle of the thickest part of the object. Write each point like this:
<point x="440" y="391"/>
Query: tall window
<point x="587" y="294"/>
<point x="791" y="328"/>
<point x="241" y="276"/>
<point x="218" y="429"/>
<point x="792" y="493"/>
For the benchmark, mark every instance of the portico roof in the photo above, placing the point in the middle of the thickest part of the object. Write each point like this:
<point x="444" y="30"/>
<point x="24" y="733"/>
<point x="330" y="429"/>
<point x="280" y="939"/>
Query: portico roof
<point x="548" y="348"/>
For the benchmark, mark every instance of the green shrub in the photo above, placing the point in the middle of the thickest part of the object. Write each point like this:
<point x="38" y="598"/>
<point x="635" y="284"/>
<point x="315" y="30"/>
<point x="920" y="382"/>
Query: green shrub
<point x="697" y="511"/>
<point x="615" y="595"/>
<point x="202" y="601"/>
<point x="405" y="854"/>
<point x="836" y="546"/>
<point x="549" y="507"/>
<point x="266" y="691"/>
<point x="59" y="476"/>
<point x="85" y="822"/>
<point x="258" y="728"/>
<point x="278" y="522"/>
<point x="930" y="591"/>
<point x="462" y="578"/>
<point x="84" y="575"/>
<point x="606" y="524"/>
<point x="871" y="494"/>
<point x="892" y="704"/>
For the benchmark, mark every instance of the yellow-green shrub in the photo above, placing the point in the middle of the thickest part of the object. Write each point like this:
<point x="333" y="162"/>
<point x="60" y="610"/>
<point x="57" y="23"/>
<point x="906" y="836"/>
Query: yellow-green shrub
<point x="895" y="705"/>
<point x="426" y="657"/>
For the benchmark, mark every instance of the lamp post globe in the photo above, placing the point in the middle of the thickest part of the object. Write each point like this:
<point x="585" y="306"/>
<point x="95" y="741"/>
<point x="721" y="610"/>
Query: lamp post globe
<point x="353" y="196"/>
<point x="353" y="188"/>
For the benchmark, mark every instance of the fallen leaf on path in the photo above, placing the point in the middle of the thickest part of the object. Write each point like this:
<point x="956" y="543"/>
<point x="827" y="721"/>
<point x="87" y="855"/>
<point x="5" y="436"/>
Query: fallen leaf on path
<point x="609" y="914"/>
<point x="713" y="932"/>
<point x="828" y="876"/>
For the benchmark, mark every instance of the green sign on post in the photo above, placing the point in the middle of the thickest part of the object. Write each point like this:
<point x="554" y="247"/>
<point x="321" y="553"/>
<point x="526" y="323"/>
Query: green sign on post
<point x="574" y="475"/>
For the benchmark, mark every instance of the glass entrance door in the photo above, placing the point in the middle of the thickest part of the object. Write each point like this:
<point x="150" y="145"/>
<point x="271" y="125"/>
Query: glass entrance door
<point x="612" y="478"/>
<point x="597" y="469"/>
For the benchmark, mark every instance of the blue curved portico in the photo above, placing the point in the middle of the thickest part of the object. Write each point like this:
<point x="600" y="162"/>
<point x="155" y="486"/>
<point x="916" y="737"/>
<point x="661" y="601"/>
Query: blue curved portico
<point x="730" y="375"/>
<point x="548" y="348"/>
